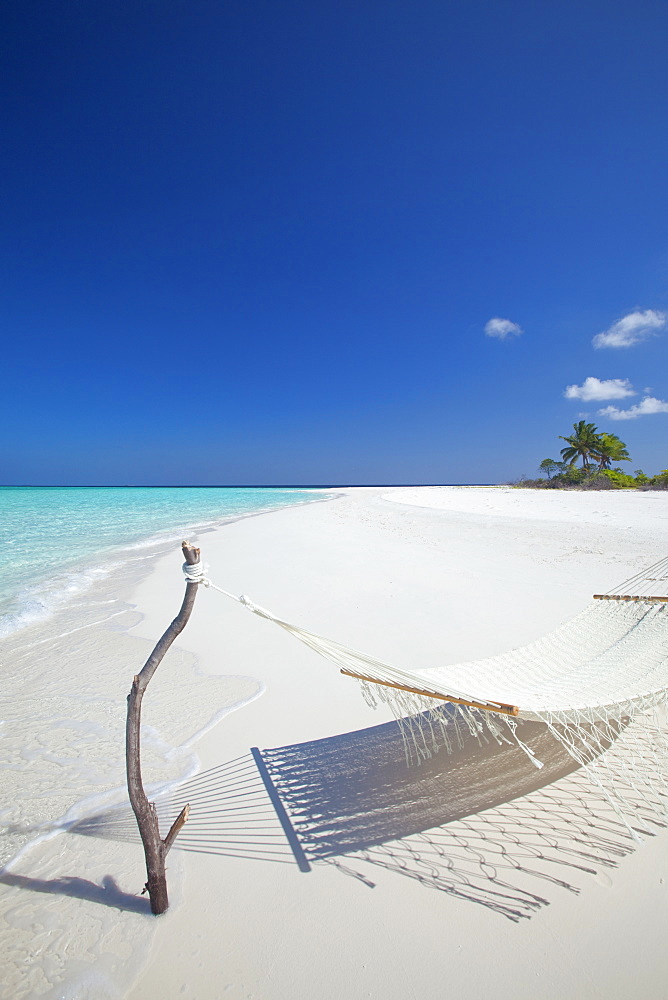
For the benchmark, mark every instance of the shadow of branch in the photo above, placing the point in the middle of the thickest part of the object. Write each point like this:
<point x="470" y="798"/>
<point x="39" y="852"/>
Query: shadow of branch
<point x="106" y="892"/>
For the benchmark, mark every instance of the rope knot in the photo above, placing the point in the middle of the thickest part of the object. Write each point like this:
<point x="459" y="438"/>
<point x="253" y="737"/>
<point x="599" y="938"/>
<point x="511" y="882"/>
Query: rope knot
<point x="195" y="573"/>
<point x="255" y="608"/>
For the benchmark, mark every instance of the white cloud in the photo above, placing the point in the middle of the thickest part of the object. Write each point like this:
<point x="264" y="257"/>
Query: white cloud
<point x="631" y="329"/>
<point x="502" y="328"/>
<point x="596" y="388"/>
<point x="644" y="408"/>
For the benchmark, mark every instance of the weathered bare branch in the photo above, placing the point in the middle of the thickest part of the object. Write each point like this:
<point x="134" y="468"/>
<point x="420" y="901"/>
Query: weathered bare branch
<point x="155" y="849"/>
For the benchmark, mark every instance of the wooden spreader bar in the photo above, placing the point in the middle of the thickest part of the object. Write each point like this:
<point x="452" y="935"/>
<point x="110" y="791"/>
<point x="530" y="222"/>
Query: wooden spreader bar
<point x="493" y="706"/>
<point x="630" y="597"/>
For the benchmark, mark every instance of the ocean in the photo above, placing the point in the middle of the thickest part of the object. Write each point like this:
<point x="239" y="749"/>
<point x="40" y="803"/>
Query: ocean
<point x="72" y="923"/>
<point x="56" y="541"/>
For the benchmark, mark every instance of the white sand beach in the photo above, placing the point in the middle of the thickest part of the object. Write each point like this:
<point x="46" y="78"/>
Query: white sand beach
<point x="541" y="896"/>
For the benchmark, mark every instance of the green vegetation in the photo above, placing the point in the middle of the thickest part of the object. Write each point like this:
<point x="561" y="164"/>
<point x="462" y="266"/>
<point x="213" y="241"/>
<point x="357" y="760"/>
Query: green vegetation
<point x="586" y="443"/>
<point x="596" y="450"/>
<point x="582" y="443"/>
<point x="611" y="449"/>
<point x="549" y="467"/>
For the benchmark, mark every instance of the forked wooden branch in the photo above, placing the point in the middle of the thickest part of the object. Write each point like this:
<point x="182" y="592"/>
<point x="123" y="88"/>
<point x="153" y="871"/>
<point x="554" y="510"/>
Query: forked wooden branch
<point x="176" y="826"/>
<point x="155" y="849"/>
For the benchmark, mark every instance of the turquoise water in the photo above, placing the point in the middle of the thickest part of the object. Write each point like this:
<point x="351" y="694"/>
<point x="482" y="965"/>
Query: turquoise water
<point x="55" y="541"/>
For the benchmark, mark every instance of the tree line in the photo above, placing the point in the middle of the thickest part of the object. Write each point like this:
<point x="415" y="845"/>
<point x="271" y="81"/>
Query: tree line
<point x="597" y="451"/>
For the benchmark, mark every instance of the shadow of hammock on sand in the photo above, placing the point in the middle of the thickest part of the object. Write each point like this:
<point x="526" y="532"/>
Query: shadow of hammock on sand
<point x="481" y="823"/>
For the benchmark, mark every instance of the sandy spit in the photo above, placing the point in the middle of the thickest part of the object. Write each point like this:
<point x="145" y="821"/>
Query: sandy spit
<point x="540" y="897"/>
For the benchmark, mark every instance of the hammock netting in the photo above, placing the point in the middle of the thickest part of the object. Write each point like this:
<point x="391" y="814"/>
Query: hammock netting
<point x="596" y="682"/>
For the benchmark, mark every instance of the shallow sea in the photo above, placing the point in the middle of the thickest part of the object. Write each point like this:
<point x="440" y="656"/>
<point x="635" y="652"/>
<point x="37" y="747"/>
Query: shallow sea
<point x="56" y="541"/>
<point x="71" y="923"/>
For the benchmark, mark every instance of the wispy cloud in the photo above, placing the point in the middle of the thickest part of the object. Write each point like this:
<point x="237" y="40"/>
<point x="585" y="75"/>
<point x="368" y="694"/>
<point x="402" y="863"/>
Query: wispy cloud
<point x="631" y="329"/>
<point x="502" y="328"/>
<point x="644" y="408"/>
<point x="598" y="389"/>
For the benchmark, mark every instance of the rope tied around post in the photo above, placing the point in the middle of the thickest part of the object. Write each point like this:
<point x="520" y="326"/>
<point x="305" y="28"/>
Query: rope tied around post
<point x="194" y="573"/>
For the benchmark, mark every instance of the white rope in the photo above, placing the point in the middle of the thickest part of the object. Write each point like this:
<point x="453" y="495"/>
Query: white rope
<point x="194" y="573"/>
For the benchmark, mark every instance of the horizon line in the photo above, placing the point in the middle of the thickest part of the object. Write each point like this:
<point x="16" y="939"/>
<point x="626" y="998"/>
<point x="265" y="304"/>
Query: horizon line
<point x="216" y="486"/>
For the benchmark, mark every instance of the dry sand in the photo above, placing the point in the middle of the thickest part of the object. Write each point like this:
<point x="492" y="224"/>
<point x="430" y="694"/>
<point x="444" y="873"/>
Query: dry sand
<point x="542" y="897"/>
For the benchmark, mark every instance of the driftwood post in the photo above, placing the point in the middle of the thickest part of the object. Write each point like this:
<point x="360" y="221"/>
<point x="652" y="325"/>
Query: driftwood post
<point x="155" y="848"/>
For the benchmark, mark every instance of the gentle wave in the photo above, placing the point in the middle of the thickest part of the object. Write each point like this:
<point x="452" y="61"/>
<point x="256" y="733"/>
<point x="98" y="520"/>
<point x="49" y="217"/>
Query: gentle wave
<point x="56" y="543"/>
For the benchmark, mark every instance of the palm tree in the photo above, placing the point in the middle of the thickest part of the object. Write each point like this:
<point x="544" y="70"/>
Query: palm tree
<point x="581" y="444"/>
<point x="610" y="449"/>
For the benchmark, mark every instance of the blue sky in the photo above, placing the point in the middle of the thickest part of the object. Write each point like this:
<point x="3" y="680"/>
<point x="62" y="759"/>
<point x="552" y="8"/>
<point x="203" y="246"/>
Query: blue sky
<point x="259" y="242"/>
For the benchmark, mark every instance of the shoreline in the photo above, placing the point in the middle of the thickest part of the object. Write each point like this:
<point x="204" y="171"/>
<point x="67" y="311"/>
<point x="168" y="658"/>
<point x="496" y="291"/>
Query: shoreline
<point x="62" y="751"/>
<point x="55" y="587"/>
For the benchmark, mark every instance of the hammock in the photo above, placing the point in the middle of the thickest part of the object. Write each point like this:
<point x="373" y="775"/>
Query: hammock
<point x="600" y="678"/>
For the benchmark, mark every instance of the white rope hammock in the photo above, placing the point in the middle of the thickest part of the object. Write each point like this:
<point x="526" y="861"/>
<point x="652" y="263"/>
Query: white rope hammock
<point x="595" y="681"/>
